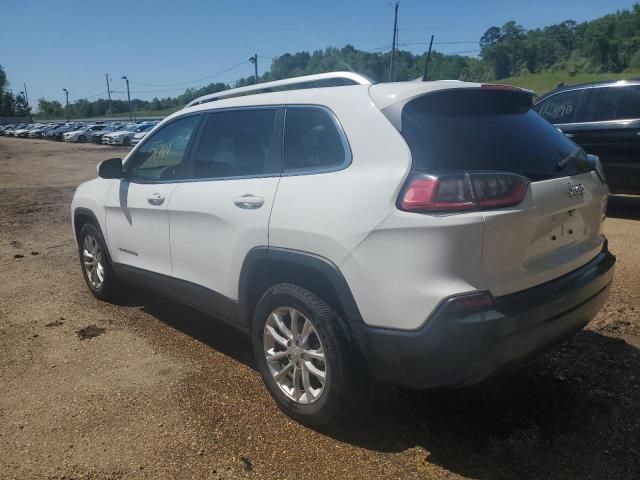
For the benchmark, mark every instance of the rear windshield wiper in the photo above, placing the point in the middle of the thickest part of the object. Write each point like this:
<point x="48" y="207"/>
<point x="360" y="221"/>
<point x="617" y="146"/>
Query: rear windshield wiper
<point x="568" y="159"/>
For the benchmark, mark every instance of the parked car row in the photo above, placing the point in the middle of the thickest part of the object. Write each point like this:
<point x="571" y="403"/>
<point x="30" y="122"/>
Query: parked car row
<point x="112" y="133"/>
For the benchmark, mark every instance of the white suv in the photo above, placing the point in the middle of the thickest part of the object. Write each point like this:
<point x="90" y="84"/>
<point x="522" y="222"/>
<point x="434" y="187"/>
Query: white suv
<point x="420" y="233"/>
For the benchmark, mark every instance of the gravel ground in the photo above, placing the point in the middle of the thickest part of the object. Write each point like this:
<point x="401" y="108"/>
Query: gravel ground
<point x="152" y="389"/>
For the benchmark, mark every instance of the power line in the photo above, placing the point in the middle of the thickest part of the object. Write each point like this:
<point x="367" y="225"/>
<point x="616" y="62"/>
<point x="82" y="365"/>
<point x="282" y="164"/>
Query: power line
<point x="384" y="47"/>
<point x="463" y="51"/>
<point x="192" y="81"/>
<point x="418" y="42"/>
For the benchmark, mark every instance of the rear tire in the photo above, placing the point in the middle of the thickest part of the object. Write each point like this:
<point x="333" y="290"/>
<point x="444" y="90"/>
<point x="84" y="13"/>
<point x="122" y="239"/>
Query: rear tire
<point x="293" y="374"/>
<point x="95" y="262"/>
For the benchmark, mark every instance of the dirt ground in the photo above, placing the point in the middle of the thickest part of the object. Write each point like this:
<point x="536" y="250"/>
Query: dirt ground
<point x="152" y="389"/>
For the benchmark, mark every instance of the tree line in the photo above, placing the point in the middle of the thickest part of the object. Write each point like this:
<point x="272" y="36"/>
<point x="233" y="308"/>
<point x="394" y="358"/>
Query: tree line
<point x="609" y="44"/>
<point x="11" y="104"/>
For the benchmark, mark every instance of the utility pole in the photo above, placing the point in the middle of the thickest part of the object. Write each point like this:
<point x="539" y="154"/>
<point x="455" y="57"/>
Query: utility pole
<point x="108" y="90"/>
<point x="394" y="41"/>
<point x="254" y="60"/>
<point x="426" y="63"/>
<point x="124" y="77"/>
<point x="67" y="108"/>
<point x="26" y="95"/>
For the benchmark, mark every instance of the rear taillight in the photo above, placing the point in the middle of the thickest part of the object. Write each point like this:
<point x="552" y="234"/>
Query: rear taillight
<point x="460" y="192"/>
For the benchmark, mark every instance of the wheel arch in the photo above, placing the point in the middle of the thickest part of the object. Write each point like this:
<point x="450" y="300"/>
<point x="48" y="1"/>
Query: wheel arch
<point x="81" y="216"/>
<point x="267" y="266"/>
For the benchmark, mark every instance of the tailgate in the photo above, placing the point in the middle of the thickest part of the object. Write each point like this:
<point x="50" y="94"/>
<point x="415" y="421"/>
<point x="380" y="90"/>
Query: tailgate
<point x="555" y="230"/>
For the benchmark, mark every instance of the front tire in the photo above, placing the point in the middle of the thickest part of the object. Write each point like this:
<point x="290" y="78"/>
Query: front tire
<point x="305" y="355"/>
<point x="82" y="139"/>
<point x="96" y="264"/>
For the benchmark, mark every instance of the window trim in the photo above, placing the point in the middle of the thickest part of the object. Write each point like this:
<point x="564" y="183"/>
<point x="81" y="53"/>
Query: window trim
<point x="279" y="126"/>
<point x="128" y="167"/>
<point x="280" y="131"/>
<point x="348" y="154"/>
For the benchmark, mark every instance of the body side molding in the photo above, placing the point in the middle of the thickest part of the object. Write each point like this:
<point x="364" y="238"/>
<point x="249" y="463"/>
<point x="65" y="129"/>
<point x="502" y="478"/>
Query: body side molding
<point x="201" y="298"/>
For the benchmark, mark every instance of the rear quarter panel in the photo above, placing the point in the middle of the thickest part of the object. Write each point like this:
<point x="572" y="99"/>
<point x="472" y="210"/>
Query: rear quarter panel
<point x="329" y="214"/>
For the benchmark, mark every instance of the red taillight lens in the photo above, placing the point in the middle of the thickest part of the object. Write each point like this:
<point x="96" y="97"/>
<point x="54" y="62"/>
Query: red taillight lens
<point x="496" y="191"/>
<point x="461" y="192"/>
<point x="437" y="193"/>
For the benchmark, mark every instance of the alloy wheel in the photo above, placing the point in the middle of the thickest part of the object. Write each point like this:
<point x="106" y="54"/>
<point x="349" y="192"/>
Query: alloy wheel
<point x="93" y="261"/>
<point x="295" y="355"/>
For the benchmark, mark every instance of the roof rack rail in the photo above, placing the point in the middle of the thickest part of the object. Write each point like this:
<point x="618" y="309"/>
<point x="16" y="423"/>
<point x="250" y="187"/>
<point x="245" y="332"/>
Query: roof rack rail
<point x="331" y="79"/>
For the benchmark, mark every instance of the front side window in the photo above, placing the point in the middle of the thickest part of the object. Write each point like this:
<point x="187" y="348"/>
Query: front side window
<point x="615" y="103"/>
<point x="312" y="140"/>
<point x="163" y="156"/>
<point x="560" y="108"/>
<point x="237" y="143"/>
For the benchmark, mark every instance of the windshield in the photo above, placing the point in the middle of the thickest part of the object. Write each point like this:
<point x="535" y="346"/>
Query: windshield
<point x="482" y="129"/>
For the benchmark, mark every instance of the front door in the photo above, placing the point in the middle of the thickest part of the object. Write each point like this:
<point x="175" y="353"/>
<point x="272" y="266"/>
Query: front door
<point x="137" y="221"/>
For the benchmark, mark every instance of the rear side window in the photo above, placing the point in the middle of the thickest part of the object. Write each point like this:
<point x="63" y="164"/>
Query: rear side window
<point x="476" y="129"/>
<point x="237" y="143"/>
<point x="614" y="103"/>
<point x="561" y="107"/>
<point x="312" y="140"/>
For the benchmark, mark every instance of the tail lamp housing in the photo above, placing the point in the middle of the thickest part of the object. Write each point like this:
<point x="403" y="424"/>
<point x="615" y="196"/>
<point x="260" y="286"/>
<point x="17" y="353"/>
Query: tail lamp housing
<point x="455" y="192"/>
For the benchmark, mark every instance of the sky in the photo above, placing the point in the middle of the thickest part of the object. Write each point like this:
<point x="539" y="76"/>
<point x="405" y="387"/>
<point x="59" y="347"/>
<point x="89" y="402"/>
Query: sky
<point x="163" y="47"/>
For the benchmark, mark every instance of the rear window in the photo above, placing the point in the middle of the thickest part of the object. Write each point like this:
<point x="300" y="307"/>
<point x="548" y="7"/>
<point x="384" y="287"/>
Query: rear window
<point x="479" y="129"/>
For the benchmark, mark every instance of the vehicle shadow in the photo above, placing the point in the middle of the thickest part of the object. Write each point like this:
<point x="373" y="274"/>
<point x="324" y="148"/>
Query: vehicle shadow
<point x="574" y="413"/>
<point x="624" y="206"/>
<point x="206" y="329"/>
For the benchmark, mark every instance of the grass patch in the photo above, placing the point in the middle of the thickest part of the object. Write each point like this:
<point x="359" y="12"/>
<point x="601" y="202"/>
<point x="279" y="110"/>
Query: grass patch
<point x="544" y="82"/>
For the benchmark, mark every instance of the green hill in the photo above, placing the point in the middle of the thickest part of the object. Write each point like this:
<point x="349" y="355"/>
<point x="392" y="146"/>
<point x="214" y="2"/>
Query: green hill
<point x="544" y="82"/>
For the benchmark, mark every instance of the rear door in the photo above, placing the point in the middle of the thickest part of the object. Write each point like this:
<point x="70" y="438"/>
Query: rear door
<point x="557" y="226"/>
<point x="223" y="212"/>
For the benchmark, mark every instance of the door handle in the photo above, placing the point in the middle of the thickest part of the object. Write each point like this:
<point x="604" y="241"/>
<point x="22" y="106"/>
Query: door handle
<point x="569" y="135"/>
<point x="248" y="202"/>
<point x="156" y="199"/>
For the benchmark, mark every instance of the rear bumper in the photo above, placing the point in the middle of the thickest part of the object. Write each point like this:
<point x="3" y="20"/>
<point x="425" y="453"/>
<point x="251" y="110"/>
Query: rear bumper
<point x="465" y="349"/>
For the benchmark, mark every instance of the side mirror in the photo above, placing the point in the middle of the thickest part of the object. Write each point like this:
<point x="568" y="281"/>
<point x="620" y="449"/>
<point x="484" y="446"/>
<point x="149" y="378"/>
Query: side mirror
<point x="111" y="168"/>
